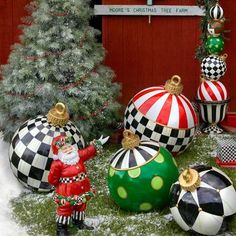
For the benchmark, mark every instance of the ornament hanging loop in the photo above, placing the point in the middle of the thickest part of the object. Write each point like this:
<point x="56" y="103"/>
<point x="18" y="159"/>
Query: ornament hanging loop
<point x="224" y="56"/>
<point x="174" y="85"/>
<point x="202" y="78"/>
<point x="189" y="180"/>
<point x="187" y="176"/>
<point x="175" y="79"/>
<point x="60" y="108"/>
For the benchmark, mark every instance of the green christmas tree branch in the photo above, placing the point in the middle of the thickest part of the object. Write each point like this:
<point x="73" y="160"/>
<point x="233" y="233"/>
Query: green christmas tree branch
<point x="58" y="59"/>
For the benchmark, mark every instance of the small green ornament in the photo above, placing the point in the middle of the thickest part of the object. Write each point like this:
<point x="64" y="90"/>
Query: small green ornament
<point x="141" y="175"/>
<point x="215" y="45"/>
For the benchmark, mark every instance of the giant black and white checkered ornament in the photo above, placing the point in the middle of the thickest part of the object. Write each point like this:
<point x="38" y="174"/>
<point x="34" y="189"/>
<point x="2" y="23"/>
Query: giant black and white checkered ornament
<point x="214" y="67"/>
<point x="164" y="115"/>
<point x="30" y="150"/>
<point x="202" y="200"/>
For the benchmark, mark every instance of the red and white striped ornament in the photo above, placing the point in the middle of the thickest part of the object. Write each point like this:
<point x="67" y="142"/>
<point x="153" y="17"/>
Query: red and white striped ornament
<point x="212" y="99"/>
<point x="211" y="91"/>
<point x="163" y="114"/>
<point x="165" y="108"/>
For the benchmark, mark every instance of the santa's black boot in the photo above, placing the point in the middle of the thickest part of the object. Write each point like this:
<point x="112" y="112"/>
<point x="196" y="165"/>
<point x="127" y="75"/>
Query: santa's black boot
<point x="62" y="226"/>
<point x="78" y="220"/>
<point x="62" y="230"/>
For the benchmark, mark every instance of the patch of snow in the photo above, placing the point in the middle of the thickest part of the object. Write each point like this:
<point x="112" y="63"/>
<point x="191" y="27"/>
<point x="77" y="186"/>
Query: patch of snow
<point x="95" y="222"/>
<point x="168" y="217"/>
<point x="9" y="188"/>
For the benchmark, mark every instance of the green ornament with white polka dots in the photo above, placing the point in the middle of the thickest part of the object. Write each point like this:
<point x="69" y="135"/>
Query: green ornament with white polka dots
<point x="215" y="45"/>
<point x="141" y="174"/>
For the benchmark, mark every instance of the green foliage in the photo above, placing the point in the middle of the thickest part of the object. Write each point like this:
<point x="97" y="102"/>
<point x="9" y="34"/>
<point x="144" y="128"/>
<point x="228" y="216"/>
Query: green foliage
<point x="58" y="59"/>
<point x="201" y="51"/>
<point x="37" y="211"/>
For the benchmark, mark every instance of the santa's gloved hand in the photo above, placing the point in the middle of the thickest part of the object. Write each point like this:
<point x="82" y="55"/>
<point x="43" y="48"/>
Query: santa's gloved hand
<point x="103" y="140"/>
<point x="97" y="143"/>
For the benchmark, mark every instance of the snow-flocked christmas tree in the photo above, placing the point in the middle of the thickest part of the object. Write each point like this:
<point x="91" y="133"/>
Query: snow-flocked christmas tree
<point x="58" y="59"/>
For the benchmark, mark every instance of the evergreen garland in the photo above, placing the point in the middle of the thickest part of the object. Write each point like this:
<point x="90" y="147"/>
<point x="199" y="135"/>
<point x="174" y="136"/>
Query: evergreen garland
<point x="201" y="51"/>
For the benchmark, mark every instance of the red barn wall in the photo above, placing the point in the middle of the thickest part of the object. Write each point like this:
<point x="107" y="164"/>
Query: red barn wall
<point x="142" y="54"/>
<point x="11" y="12"/>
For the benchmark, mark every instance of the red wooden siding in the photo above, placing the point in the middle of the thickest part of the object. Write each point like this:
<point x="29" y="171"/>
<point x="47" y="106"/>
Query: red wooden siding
<point x="144" y="55"/>
<point x="230" y="48"/>
<point x="11" y="11"/>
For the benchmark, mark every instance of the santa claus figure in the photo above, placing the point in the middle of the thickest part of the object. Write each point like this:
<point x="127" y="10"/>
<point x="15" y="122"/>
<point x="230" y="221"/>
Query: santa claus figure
<point x="72" y="185"/>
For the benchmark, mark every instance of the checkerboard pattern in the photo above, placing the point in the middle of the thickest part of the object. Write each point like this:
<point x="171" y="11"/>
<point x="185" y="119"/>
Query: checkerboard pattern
<point x="204" y="210"/>
<point x="175" y="140"/>
<point x="30" y="151"/>
<point x="226" y="150"/>
<point x="212" y="129"/>
<point x="77" y="178"/>
<point x="213" y="67"/>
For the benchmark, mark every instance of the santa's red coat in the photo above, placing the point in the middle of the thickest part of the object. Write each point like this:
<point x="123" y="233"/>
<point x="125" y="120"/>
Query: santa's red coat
<point x="59" y="169"/>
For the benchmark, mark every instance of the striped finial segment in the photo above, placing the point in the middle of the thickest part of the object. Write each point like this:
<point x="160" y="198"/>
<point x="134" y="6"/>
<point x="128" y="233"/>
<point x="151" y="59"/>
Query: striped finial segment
<point x="215" y="27"/>
<point x="211" y="91"/>
<point x="125" y="159"/>
<point x="160" y="106"/>
<point x="216" y="12"/>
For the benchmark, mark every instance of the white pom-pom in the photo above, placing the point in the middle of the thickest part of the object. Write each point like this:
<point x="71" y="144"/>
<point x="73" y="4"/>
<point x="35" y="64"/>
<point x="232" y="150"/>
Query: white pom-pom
<point x="55" y="157"/>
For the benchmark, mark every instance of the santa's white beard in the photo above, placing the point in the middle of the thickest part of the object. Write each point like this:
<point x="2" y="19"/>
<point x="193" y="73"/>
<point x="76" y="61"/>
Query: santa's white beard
<point x="69" y="159"/>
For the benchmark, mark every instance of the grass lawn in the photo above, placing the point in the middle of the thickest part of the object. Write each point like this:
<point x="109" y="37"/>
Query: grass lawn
<point x="36" y="212"/>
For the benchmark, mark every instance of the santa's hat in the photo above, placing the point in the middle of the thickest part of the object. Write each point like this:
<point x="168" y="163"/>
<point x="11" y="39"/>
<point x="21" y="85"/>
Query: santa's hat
<point x="58" y="142"/>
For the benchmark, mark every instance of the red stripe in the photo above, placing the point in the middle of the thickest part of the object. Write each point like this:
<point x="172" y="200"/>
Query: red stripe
<point x="201" y="96"/>
<point x="183" y="119"/>
<point x="210" y="91"/>
<point x="194" y="115"/>
<point x="145" y="91"/>
<point x="216" y="24"/>
<point x="219" y="86"/>
<point x="164" y="114"/>
<point x="144" y="108"/>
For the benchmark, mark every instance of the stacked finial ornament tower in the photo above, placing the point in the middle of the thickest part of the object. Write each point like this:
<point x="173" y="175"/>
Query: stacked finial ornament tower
<point x="212" y="95"/>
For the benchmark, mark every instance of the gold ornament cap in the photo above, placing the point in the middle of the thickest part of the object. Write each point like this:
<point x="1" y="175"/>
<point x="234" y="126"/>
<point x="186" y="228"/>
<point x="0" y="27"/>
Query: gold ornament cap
<point x="202" y="78"/>
<point x="189" y="180"/>
<point x="174" y="85"/>
<point x="130" y="140"/>
<point x="58" y="115"/>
